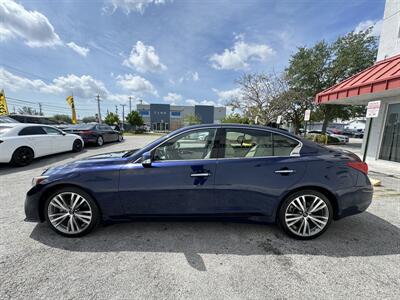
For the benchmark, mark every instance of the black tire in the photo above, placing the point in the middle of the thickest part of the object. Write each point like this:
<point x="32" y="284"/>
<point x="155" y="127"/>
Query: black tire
<point x="23" y="156"/>
<point x="100" y="141"/>
<point x="293" y="229"/>
<point x="120" y="138"/>
<point x="95" y="212"/>
<point x="77" y="146"/>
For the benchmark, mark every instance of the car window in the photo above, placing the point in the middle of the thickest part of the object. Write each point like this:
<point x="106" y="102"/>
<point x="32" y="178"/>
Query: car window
<point x="247" y="143"/>
<point x="52" y="131"/>
<point x="33" y="130"/>
<point x="192" y="145"/>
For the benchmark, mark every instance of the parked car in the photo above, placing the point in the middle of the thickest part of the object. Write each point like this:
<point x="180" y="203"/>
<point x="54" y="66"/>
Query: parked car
<point x="7" y="119"/>
<point x="20" y="143"/>
<point x="240" y="171"/>
<point x="33" y="119"/>
<point x="355" y="133"/>
<point x="342" y="138"/>
<point x="95" y="133"/>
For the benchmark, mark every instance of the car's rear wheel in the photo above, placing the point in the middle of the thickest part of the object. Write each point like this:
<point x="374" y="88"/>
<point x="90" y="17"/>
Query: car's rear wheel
<point x="71" y="212"/>
<point x="77" y="146"/>
<point x="100" y="141"/>
<point x="306" y="214"/>
<point x="23" y="156"/>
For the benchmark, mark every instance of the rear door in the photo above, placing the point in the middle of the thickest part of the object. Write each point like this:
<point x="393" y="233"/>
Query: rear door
<point x="255" y="167"/>
<point x="36" y="137"/>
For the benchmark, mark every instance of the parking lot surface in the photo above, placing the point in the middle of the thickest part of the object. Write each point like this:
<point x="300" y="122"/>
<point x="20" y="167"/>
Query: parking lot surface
<point x="358" y="257"/>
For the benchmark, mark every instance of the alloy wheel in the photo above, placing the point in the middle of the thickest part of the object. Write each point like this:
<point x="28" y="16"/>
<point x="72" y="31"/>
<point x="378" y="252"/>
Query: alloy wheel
<point x="69" y="213"/>
<point x="100" y="141"/>
<point x="307" y="215"/>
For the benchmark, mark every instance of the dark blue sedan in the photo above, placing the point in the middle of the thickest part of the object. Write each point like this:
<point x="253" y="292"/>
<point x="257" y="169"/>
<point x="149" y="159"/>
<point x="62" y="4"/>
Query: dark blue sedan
<point x="236" y="171"/>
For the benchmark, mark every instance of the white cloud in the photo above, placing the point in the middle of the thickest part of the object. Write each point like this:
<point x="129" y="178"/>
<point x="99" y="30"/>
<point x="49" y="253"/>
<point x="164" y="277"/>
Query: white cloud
<point x="78" y="49"/>
<point x="228" y="95"/>
<point x="128" y="6"/>
<point x="144" y="59"/>
<point x="136" y="84"/>
<point x="30" y="26"/>
<point x="84" y="86"/>
<point x="376" y="27"/>
<point x="194" y="102"/>
<point x="195" y="76"/>
<point x="240" y="55"/>
<point x="173" y="98"/>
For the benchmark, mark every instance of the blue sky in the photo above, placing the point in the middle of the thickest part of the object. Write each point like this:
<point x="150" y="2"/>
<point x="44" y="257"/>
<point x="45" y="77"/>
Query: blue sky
<point x="159" y="51"/>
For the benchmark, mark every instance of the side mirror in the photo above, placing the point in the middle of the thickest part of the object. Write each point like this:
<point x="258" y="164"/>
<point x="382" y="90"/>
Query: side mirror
<point x="146" y="159"/>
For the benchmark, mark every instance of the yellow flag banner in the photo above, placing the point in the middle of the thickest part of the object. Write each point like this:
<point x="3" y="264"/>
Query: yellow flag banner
<point x="70" y="101"/>
<point x="3" y="104"/>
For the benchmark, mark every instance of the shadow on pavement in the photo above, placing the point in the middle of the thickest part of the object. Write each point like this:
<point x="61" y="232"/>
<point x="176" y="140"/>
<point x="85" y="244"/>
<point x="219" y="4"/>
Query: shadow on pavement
<point x="361" y="235"/>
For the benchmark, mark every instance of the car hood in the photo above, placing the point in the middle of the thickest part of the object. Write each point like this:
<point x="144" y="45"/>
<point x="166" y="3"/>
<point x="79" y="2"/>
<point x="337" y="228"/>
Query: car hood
<point x="111" y="158"/>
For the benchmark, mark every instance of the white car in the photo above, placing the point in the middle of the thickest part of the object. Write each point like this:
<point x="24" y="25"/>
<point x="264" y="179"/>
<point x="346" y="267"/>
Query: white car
<point x="20" y="143"/>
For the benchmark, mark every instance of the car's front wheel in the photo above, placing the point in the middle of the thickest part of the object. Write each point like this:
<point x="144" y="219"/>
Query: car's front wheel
<point x="120" y="138"/>
<point x="306" y="214"/>
<point x="71" y="212"/>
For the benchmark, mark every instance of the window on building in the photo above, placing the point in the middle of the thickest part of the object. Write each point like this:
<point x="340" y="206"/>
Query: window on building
<point x="390" y="148"/>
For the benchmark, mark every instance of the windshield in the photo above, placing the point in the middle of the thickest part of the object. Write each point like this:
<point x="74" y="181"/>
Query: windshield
<point x="149" y="146"/>
<point x="5" y="119"/>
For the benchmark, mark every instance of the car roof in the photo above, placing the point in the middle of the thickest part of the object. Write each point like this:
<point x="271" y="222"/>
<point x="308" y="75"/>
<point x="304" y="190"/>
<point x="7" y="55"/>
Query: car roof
<point x="234" y="125"/>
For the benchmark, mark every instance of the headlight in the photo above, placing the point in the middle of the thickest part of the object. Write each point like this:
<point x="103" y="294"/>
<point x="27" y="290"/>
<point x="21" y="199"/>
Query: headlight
<point x="37" y="180"/>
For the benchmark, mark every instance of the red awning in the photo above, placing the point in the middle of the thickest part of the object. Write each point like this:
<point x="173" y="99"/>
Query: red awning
<point x="383" y="76"/>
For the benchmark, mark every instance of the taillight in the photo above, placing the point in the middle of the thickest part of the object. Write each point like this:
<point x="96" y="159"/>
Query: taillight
<point x="359" y="165"/>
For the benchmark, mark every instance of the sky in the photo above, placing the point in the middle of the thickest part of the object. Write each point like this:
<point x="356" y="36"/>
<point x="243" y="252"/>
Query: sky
<point x="182" y="52"/>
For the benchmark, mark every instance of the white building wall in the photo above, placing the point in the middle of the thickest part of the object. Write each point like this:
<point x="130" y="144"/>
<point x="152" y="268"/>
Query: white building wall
<point x="219" y="113"/>
<point x="389" y="43"/>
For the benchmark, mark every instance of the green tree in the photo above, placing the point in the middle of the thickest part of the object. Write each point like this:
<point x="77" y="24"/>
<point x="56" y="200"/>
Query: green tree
<point x="235" y="118"/>
<point x="135" y="119"/>
<point x="312" y="70"/>
<point x="111" y="119"/>
<point x="62" y="118"/>
<point x="191" y="120"/>
<point x="90" y="119"/>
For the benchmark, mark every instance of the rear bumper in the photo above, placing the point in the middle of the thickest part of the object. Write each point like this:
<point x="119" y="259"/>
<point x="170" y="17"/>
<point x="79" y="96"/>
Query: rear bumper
<point x="353" y="201"/>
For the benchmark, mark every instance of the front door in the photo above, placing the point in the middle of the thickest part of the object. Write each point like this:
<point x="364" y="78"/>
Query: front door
<point x="254" y="169"/>
<point x="180" y="180"/>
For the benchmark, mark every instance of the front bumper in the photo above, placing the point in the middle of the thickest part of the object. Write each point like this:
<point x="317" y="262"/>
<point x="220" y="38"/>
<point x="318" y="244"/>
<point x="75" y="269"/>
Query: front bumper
<point x="33" y="205"/>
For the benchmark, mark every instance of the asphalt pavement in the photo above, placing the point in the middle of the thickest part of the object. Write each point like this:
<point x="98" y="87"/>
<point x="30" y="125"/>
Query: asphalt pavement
<point x="358" y="257"/>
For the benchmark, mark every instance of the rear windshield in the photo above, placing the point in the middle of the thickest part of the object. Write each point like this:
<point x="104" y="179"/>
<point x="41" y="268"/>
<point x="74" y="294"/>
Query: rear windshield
<point x="81" y="127"/>
<point x="4" y="129"/>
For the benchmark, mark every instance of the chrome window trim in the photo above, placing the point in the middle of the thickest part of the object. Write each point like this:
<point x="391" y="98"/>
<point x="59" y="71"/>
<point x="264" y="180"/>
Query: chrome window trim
<point x="294" y="153"/>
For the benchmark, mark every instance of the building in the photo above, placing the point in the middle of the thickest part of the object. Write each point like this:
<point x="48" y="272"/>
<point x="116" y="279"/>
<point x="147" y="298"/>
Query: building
<point x="170" y="117"/>
<point x="379" y="82"/>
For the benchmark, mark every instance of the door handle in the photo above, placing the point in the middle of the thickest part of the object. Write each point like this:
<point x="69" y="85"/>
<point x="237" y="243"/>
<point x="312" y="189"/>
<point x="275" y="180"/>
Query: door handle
<point x="200" y="174"/>
<point x="285" y="172"/>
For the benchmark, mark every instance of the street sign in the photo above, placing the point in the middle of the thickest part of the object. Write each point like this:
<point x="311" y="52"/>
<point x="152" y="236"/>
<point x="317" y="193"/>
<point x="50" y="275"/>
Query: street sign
<point x="307" y="114"/>
<point x="278" y="120"/>
<point x="373" y="109"/>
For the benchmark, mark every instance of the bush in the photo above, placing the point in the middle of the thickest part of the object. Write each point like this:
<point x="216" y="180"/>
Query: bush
<point x="322" y="138"/>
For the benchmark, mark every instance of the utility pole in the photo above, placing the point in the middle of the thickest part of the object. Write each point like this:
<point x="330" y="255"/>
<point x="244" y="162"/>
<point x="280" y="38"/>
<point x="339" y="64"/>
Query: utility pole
<point x="130" y="104"/>
<point x="40" y="109"/>
<point x="116" y="109"/>
<point x="123" y="115"/>
<point x="98" y="108"/>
